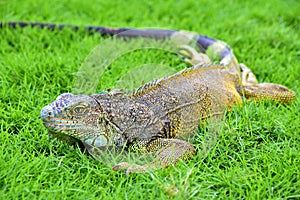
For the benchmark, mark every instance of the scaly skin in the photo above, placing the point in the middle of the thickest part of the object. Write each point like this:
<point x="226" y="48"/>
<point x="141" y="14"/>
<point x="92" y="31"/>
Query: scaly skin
<point x="158" y="117"/>
<point x="154" y="119"/>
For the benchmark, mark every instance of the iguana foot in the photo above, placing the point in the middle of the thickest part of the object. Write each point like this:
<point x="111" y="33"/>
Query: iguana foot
<point x="247" y="75"/>
<point x="130" y="168"/>
<point x="193" y="57"/>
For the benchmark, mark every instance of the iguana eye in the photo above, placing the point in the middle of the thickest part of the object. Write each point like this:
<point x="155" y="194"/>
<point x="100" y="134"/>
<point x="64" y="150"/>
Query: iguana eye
<point x="79" y="109"/>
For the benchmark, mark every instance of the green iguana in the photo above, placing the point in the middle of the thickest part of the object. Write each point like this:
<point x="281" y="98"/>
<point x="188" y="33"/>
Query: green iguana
<point x="158" y="116"/>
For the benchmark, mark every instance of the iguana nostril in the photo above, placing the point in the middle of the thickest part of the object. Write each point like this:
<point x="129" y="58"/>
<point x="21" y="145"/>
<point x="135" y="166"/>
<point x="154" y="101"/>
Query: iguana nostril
<point x="46" y="113"/>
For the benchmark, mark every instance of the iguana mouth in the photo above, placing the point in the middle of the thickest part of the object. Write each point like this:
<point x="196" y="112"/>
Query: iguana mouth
<point x="60" y="125"/>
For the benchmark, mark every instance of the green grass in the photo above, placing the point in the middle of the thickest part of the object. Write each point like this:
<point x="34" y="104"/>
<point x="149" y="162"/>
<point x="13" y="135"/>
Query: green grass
<point x="257" y="156"/>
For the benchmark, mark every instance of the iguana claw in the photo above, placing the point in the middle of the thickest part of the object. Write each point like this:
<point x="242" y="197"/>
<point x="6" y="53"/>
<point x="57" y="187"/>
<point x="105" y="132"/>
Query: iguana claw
<point x="130" y="168"/>
<point x="192" y="56"/>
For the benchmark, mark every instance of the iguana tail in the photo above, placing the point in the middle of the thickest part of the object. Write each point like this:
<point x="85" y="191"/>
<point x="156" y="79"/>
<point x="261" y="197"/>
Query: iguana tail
<point x="202" y="42"/>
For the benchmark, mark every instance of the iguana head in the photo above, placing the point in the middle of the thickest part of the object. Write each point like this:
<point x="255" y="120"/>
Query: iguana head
<point x="75" y="117"/>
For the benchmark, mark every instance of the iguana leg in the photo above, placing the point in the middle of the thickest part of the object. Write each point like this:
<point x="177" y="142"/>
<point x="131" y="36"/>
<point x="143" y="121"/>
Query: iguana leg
<point x="193" y="57"/>
<point x="264" y="91"/>
<point x="167" y="151"/>
<point x="269" y="91"/>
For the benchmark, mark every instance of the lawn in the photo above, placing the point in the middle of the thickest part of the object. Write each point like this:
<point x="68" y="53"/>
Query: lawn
<point x="257" y="155"/>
